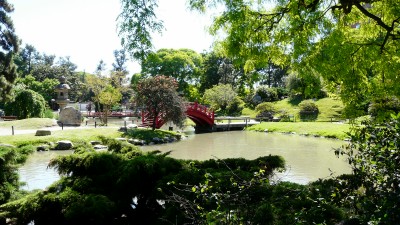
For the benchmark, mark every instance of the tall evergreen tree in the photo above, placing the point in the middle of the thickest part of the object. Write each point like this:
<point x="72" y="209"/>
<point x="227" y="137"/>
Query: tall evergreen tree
<point x="9" y="46"/>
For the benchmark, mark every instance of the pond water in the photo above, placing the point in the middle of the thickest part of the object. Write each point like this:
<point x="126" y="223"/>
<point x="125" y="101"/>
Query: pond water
<point x="307" y="158"/>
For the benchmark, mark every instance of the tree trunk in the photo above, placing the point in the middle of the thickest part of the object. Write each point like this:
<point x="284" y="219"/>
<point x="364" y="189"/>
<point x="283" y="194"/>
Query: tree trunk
<point x="155" y="114"/>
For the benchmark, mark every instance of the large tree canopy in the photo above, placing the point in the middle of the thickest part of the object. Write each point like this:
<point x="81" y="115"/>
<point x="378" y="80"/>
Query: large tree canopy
<point x="159" y="97"/>
<point x="9" y="45"/>
<point x="353" y="45"/>
<point x="182" y="64"/>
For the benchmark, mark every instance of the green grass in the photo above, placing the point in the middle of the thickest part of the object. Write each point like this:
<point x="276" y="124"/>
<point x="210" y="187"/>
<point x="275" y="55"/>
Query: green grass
<point x="329" y="108"/>
<point x="27" y="124"/>
<point x="74" y="135"/>
<point x="325" y="129"/>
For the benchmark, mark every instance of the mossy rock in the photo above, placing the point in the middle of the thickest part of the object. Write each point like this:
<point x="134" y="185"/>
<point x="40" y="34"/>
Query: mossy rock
<point x="43" y="133"/>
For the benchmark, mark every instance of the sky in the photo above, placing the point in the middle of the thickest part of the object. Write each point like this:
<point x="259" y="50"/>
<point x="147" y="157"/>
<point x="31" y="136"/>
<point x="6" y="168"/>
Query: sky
<point x="86" y="30"/>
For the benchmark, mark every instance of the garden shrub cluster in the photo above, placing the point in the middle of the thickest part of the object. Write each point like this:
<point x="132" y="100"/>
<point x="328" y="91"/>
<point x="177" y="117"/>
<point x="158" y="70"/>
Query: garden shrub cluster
<point x="381" y="109"/>
<point x="308" y="110"/>
<point x="27" y="104"/>
<point x="265" y="110"/>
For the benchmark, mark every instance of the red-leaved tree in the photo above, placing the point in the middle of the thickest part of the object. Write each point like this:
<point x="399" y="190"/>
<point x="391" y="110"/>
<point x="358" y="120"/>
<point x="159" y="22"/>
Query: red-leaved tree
<point x="159" y="97"/>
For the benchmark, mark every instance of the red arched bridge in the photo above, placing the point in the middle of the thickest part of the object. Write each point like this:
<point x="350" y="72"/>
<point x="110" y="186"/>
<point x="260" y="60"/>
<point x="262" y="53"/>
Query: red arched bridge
<point x="199" y="114"/>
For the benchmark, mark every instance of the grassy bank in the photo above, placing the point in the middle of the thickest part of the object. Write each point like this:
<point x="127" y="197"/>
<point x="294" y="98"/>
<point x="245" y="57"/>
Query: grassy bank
<point x="27" y="124"/>
<point x="329" y="108"/>
<point x="74" y="135"/>
<point x="325" y="129"/>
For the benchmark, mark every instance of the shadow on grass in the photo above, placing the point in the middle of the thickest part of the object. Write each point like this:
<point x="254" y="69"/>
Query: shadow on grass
<point x="295" y="100"/>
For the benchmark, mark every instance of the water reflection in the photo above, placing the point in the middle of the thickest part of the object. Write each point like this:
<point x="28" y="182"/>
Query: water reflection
<point x="307" y="158"/>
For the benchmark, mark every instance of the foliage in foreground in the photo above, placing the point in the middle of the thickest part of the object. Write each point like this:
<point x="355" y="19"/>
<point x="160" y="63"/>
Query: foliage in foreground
<point x="374" y="155"/>
<point x="127" y="186"/>
<point x="10" y="158"/>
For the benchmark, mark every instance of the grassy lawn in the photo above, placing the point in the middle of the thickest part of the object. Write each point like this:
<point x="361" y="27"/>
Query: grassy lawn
<point x="74" y="135"/>
<point x="328" y="108"/>
<point x="325" y="129"/>
<point x="27" y="124"/>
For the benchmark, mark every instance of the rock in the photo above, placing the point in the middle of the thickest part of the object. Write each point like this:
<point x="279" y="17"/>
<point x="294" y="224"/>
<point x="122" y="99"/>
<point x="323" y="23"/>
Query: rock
<point x="132" y="126"/>
<point x="43" y="133"/>
<point x="95" y="142"/>
<point x="120" y="139"/>
<point x="179" y="137"/>
<point x="123" y="129"/>
<point x="157" y="140"/>
<point x="64" y="145"/>
<point x="7" y="145"/>
<point x="70" y="116"/>
<point x="136" y="142"/>
<point x="42" y="148"/>
<point x="100" y="147"/>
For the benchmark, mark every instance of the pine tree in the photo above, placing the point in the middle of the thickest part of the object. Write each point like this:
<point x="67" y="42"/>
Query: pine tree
<point x="9" y="46"/>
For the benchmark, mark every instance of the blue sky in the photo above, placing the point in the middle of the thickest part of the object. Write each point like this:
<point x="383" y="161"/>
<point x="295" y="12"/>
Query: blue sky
<point x="86" y="30"/>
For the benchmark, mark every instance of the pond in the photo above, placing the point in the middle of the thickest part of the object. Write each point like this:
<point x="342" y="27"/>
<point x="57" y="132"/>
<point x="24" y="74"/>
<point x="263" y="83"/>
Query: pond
<point x="307" y="158"/>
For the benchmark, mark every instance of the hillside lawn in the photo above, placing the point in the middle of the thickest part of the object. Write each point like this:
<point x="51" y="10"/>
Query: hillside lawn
<point x="330" y="109"/>
<point x="323" y="129"/>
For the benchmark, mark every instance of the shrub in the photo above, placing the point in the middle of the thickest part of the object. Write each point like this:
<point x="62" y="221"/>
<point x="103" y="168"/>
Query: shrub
<point x="266" y="109"/>
<point x="373" y="154"/>
<point x="380" y="109"/>
<point x="48" y="113"/>
<point x="308" y="110"/>
<point x="282" y="92"/>
<point x="284" y="115"/>
<point x="267" y="94"/>
<point x="27" y="104"/>
<point x="235" y="107"/>
<point x="307" y="85"/>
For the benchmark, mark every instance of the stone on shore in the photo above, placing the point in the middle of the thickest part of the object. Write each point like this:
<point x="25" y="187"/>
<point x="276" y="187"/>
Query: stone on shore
<point x="64" y="145"/>
<point x="43" y="133"/>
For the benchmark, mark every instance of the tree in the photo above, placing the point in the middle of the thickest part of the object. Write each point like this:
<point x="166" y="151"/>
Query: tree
<point x="159" y="97"/>
<point x="210" y="68"/>
<point x="25" y="59"/>
<point x="307" y="86"/>
<point x="273" y="75"/>
<point x="183" y="65"/>
<point x="9" y="44"/>
<point x="27" y="104"/>
<point x="10" y="157"/>
<point x="351" y="44"/>
<point x="220" y="97"/>
<point x="136" y="23"/>
<point x="373" y="154"/>
<point x="96" y="85"/>
<point x="44" y="88"/>
<point x="120" y="60"/>
<point x="109" y="97"/>
<point x="101" y="67"/>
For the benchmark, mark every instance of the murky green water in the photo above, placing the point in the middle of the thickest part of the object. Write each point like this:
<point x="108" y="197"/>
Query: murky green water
<point x="307" y="158"/>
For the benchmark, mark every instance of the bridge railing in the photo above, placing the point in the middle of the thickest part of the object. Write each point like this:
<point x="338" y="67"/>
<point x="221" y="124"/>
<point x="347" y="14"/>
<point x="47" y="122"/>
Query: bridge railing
<point x="200" y="108"/>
